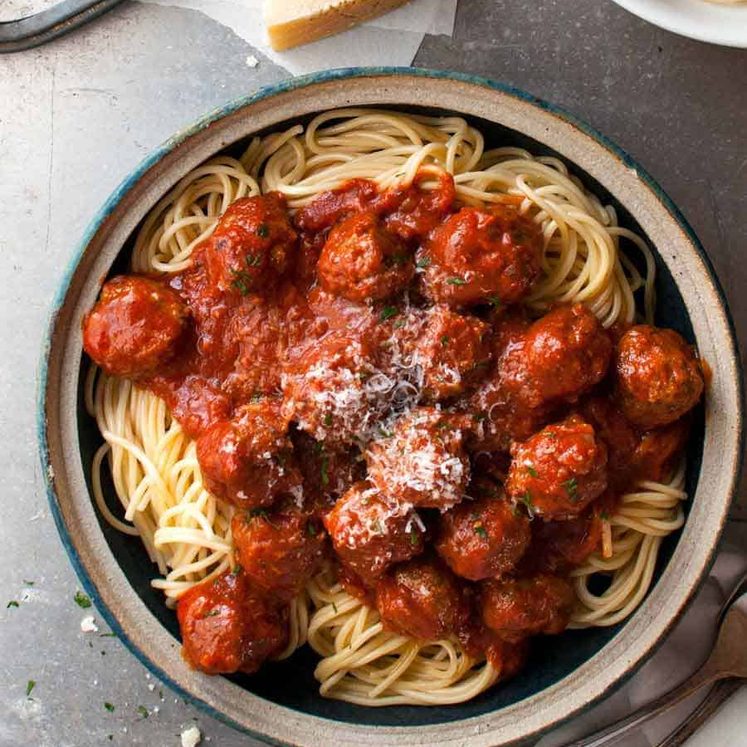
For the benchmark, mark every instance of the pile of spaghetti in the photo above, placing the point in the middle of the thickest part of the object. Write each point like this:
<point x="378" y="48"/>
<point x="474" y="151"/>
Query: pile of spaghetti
<point x="408" y="385"/>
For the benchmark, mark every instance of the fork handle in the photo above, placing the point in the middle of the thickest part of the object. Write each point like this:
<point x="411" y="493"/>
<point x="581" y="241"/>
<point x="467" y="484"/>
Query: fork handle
<point x="703" y="676"/>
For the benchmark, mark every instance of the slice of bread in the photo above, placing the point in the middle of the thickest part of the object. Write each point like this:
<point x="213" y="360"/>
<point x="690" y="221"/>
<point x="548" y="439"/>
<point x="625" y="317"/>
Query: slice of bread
<point x="294" y="22"/>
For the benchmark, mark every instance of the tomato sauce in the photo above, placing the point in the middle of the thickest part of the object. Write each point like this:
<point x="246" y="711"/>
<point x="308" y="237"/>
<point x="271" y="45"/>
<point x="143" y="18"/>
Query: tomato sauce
<point x="365" y="388"/>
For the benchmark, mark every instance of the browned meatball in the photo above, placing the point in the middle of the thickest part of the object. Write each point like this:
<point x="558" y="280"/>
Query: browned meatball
<point x="135" y="326"/>
<point x="563" y="354"/>
<point x="484" y="537"/>
<point x="251" y="246"/>
<point x="659" y="451"/>
<point x="480" y="256"/>
<point x="658" y="378"/>
<point x="452" y="353"/>
<point x="362" y="261"/>
<point x="420" y="599"/>
<point x="498" y="412"/>
<point x="559" y="471"/>
<point x="515" y="608"/>
<point x="248" y="461"/>
<point x="423" y="461"/>
<point x="226" y="627"/>
<point x="278" y="550"/>
<point x="328" y="392"/>
<point x="327" y="472"/>
<point x="370" y="531"/>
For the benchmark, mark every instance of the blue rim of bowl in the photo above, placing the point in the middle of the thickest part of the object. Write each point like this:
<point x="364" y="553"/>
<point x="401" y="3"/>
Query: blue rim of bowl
<point x="218" y="113"/>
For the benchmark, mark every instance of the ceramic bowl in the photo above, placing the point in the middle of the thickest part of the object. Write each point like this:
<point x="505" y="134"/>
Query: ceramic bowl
<point x="281" y="704"/>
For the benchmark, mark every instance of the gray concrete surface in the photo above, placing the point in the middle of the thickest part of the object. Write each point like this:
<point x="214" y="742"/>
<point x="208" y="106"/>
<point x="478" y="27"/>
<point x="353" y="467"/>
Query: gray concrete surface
<point x="78" y="114"/>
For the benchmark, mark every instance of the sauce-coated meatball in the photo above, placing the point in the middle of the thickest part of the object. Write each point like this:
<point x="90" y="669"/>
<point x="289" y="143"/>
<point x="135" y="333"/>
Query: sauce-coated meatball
<point x="564" y="354"/>
<point x="248" y="461"/>
<point x="515" y="608"/>
<point x="484" y="537"/>
<point x="507" y="657"/>
<point x="251" y="246"/>
<point x="278" y="550"/>
<point x="452" y="353"/>
<point x="557" y="472"/>
<point x="423" y="461"/>
<point x="135" y="326"/>
<point x="479" y="256"/>
<point x="659" y="451"/>
<point x="362" y="261"/>
<point x="226" y="627"/>
<point x="559" y="546"/>
<point x="658" y="378"/>
<point x="499" y="415"/>
<point x="370" y="531"/>
<point x="328" y="393"/>
<point x="420" y="599"/>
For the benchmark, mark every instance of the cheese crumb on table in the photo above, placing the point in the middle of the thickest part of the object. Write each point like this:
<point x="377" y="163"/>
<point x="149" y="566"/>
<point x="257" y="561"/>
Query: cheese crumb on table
<point x="291" y="23"/>
<point x="191" y="737"/>
<point x="87" y="625"/>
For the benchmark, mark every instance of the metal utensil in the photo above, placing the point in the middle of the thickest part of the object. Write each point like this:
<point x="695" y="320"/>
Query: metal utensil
<point x="727" y="659"/>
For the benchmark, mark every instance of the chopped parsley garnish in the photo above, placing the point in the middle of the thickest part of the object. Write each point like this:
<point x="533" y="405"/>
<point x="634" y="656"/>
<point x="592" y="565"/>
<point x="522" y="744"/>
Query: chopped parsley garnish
<point x="256" y="397"/>
<point x="551" y="434"/>
<point x="30" y="685"/>
<point x="444" y="340"/>
<point x="480" y="531"/>
<point x="82" y="600"/>
<point x="388" y="312"/>
<point x="109" y="707"/>
<point x="478" y="417"/>
<point x="423" y="262"/>
<point x="311" y="530"/>
<point x="571" y="487"/>
<point x="324" y="470"/>
<point x="494" y="301"/>
<point x="456" y="281"/>
<point x="396" y="259"/>
<point x="242" y="281"/>
<point x="212" y="613"/>
<point x="526" y="499"/>
<point x="253" y="260"/>
<point x="378" y="526"/>
<point x="334" y="607"/>
<point x="260" y="513"/>
<point x="143" y="711"/>
<point x="11" y="603"/>
<point x="236" y="570"/>
<point x="263" y="230"/>
<point x="107" y="635"/>
<point x="327" y="420"/>
<point x="531" y="470"/>
<point x="29" y="583"/>
<point x="414" y="536"/>
<point x="604" y="516"/>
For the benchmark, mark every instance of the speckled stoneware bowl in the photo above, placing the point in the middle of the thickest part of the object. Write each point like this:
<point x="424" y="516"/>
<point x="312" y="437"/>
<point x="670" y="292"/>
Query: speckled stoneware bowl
<point x="281" y="704"/>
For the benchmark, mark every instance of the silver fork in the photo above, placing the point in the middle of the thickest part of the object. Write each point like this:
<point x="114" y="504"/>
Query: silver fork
<point x="728" y="658"/>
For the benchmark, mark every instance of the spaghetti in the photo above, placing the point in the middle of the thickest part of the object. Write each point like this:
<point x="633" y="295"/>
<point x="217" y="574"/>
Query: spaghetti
<point x="153" y="463"/>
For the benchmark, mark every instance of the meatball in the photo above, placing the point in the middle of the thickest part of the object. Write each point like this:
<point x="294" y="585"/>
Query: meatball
<point x="515" y="608"/>
<point x="476" y="256"/>
<point x="362" y="261"/>
<point x="452" y="353"/>
<point x="252" y="245"/>
<point x="499" y="414"/>
<point x="658" y="378"/>
<point x="420" y="599"/>
<point x="227" y="628"/>
<point x="659" y="451"/>
<point x="135" y="326"/>
<point x="483" y="538"/>
<point x="370" y="531"/>
<point x="557" y="472"/>
<point x="248" y="461"/>
<point x="327" y="472"/>
<point x="621" y="438"/>
<point x="560" y="546"/>
<point x="563" y="354"/>
<point x="423" y="461"/>
<point x="507" y="657"/>
<point x="328" y="392"/>
<point x="278" y="550"/>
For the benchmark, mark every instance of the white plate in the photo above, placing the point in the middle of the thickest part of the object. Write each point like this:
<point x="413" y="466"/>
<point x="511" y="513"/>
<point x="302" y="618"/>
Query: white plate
<point x="698" y="19"/>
